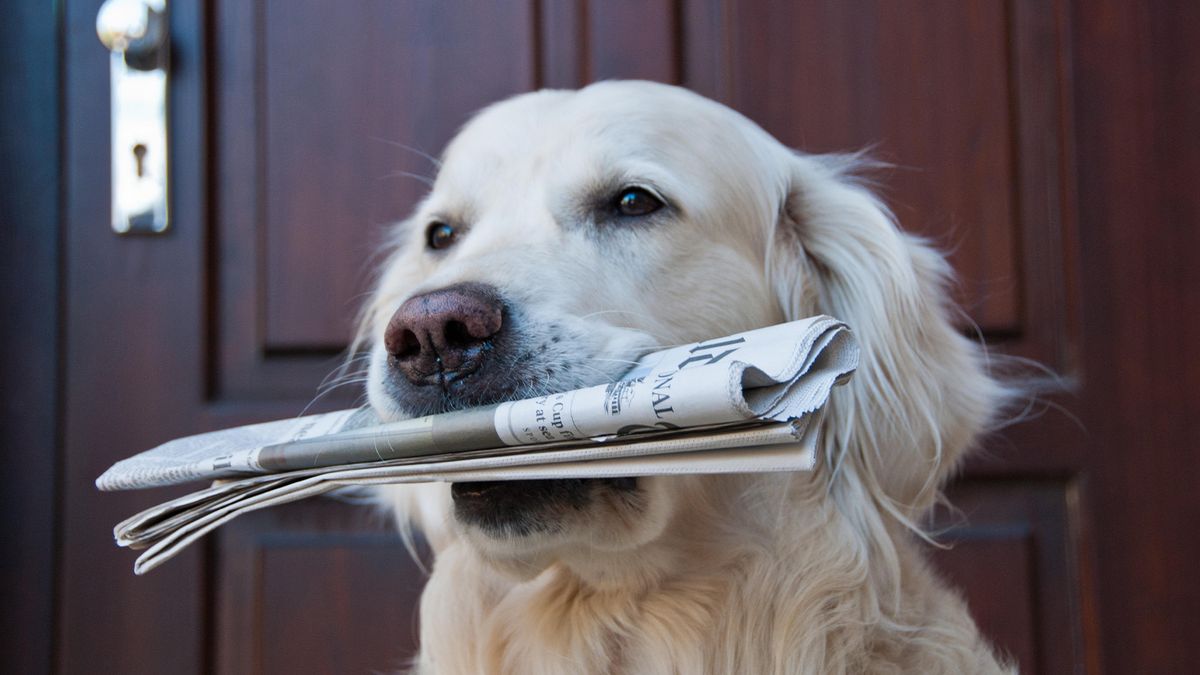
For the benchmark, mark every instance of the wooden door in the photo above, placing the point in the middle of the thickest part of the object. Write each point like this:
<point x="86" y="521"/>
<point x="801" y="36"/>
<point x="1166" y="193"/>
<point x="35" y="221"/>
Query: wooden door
<point x="290" y="121"/>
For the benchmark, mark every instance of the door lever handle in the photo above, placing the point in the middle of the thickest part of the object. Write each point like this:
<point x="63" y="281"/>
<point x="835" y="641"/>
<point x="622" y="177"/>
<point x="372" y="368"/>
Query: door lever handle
<point x="136" y="33"/>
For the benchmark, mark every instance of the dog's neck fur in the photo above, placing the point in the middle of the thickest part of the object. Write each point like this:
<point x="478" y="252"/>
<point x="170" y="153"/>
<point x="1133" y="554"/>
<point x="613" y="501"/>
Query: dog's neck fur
<point x="794" y="587"/>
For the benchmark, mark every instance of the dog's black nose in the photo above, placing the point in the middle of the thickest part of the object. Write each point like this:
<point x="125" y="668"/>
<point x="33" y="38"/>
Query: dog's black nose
<point x="444" y="335"/>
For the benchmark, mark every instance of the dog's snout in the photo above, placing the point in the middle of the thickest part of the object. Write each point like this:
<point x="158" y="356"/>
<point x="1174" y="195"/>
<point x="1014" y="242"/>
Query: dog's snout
<point x="444" y="334"/>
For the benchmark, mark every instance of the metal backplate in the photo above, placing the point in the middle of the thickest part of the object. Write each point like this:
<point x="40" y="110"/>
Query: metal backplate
<point x="136" y="33"/>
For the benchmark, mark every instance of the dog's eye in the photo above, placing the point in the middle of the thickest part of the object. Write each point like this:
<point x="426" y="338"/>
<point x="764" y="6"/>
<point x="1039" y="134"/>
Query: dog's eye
<point x="440" y="235"/>
<point x="635" y="201"/>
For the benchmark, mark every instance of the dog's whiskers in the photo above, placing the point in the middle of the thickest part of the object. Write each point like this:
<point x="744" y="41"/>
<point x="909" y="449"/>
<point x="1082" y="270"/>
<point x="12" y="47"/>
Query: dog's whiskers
<point x="323" y="394"/>
<point x="660" y="344"/>
<point x="341" y="376"/>
<point x="607" y="377"/>
<point x="597" y="358"/>
<point x="618" y="311"/>
<point x="342" y="382"/>
<point x="437" y="163"/>
<point x="408" y="174"/>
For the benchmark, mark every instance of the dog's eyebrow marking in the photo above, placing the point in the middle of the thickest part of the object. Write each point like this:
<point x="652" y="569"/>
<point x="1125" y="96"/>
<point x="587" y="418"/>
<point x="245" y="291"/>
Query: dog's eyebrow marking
<point x="441" y="216"/>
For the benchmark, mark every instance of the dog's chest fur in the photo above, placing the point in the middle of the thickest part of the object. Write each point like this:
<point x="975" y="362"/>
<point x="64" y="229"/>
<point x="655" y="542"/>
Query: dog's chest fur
<point x="556" y="623"/>
<point x="746" y="617"/>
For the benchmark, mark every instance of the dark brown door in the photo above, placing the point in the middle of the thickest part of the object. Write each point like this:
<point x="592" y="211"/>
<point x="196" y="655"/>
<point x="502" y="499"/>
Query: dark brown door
<point x="297" y="129"/>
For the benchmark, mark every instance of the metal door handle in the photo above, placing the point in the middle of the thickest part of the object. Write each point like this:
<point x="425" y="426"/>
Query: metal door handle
<point x="137" y="34"/>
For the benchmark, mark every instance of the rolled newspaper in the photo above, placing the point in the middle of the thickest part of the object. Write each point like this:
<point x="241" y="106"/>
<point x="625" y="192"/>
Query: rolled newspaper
<point x="771" y="374"/>
<point x="749" y="402"/>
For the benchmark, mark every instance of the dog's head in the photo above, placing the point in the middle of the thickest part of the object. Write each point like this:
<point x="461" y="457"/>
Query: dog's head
<point x="567" y="233"/>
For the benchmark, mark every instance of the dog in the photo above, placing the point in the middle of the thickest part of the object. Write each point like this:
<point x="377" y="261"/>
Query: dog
<point x="566" y="234"/>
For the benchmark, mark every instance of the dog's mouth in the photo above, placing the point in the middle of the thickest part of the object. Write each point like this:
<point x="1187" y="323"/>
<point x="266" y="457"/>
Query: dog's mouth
<point x="525" y="507"/>
<point x="468" y="345"/>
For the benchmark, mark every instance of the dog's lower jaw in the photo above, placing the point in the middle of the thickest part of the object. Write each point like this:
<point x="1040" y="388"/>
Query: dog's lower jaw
<point x="608" y="571"/>
<point x="616" y="532"/>
<point x="634" y="568"/>
<point x="633" y="571"/>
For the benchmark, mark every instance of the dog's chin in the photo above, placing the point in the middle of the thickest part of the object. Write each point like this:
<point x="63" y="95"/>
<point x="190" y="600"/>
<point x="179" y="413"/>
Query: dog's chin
<point x="529" y="510"/>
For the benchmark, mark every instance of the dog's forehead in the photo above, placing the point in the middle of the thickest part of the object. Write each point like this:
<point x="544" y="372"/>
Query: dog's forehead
<point x="600" y="123"/>
<point x="504" y="130"/>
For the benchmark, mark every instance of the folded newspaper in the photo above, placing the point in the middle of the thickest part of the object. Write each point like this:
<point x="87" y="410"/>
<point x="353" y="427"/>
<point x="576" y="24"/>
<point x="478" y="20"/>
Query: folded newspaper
<point x="745" y="403"/>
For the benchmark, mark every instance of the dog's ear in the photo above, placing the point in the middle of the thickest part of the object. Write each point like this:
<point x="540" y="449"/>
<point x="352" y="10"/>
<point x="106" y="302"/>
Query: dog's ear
<point x="922" y="394"/>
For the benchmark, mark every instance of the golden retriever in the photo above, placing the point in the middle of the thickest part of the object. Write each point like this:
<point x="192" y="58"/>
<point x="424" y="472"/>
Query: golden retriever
<point x="566" y="234"/>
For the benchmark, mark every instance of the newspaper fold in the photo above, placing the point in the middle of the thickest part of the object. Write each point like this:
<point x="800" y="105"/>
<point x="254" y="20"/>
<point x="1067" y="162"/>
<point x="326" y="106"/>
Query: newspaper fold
<point x="745" y="403"/>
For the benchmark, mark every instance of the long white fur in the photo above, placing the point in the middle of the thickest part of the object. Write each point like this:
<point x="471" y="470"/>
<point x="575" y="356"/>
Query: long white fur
<point x="801" y="573"/>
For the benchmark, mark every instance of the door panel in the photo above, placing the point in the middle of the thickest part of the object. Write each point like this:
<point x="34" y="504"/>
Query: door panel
<point x="322" y="120"/>
<point x="318" y="587"/>
<point x="929" y="86"/>
<point x="1008" y="545"/>
<point x="334" y="121"/>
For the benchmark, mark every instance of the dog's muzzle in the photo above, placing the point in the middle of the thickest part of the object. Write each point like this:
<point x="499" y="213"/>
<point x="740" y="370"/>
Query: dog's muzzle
<point x="457" y="347"/>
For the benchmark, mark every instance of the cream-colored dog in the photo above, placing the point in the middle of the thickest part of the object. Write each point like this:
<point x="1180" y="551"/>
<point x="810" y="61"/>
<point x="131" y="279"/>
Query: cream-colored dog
<point x="569" y="232"/>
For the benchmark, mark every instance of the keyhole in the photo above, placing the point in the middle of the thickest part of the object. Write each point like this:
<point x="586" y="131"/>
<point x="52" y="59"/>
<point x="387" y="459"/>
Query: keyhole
<point x="139" y="153"/>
